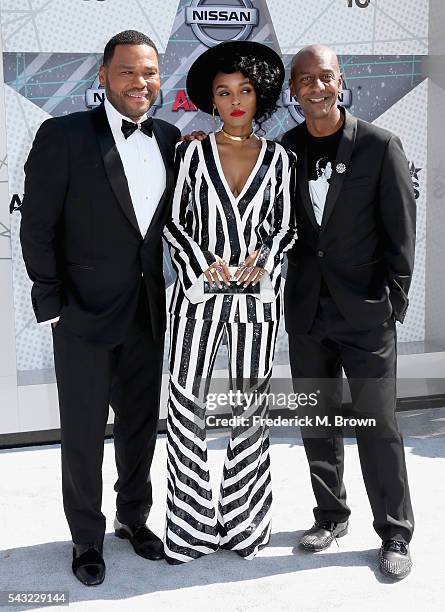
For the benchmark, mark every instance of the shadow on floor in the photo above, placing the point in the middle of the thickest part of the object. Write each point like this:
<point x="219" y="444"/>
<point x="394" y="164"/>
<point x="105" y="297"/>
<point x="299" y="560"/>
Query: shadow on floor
<point x="48" y="567"/>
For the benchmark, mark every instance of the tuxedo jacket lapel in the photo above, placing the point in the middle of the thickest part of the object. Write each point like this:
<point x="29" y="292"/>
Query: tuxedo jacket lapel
<point x="344" y="152"/>
<point x="166" y="148"/>
<point x="167" y="151"/>
<point x="113" y="166"/>
<point x="303" y="178"/>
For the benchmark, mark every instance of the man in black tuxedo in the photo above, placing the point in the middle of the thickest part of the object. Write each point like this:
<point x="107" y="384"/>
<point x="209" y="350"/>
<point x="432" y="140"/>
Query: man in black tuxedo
<point x="97" y="194"/>
<point x="347" y="284"/>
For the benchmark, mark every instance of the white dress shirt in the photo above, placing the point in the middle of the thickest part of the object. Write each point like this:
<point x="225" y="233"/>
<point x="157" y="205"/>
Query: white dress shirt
<point x="144" y="169"/>
<point x="143" y="166"/>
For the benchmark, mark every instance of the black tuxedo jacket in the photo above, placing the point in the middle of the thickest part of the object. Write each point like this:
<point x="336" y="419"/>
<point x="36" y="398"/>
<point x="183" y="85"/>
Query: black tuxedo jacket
<point x="81" y="243"/>
<point x="364" y="249"/>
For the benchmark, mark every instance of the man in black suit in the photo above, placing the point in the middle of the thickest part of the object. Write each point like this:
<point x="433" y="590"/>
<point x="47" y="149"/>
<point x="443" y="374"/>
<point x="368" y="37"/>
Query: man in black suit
<point x="97" y="194"/>
<point x="347" y="284"/>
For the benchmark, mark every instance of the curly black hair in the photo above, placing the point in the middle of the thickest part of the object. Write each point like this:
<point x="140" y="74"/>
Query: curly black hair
<point x="265" y="78"/>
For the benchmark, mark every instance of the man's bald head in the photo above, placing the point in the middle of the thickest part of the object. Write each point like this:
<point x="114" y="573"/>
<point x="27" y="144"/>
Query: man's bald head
<point x="315" y="82"/>
<point x="317" y="53"/>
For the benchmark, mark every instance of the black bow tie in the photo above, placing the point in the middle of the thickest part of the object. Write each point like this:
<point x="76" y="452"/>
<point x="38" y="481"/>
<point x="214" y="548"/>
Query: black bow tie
<point x="128" y="127"/>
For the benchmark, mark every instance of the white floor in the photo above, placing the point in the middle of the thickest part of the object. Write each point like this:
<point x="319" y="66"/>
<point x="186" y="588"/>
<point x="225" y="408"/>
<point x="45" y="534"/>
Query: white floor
<point x="35" y="543"/>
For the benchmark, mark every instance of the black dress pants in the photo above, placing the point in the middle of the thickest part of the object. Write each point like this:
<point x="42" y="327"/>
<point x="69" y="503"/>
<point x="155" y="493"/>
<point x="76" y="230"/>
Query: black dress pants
<point x="90" y="377"/>
<point x="368" y="358"/>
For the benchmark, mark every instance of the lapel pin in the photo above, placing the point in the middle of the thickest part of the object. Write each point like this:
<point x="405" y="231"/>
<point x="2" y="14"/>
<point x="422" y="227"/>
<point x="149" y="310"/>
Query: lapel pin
<point x="340" y="168"/>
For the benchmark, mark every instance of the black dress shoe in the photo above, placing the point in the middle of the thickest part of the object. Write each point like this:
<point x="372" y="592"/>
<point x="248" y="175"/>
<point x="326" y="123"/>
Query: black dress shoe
<point x="88" y="564"/>
<point x="322" y="534"/>
<point x="395" y="560"/>
<point x="145" y="543"/>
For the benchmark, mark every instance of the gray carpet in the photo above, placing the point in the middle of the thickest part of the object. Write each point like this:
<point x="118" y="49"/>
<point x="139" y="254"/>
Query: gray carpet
<point x="35" y="543"/>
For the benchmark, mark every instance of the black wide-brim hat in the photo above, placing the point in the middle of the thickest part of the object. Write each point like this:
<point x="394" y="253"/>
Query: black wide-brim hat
<point x="206" y="67"/>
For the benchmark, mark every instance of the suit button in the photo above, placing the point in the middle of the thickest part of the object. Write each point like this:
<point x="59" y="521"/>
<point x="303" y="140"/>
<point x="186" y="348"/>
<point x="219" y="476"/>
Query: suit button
<point x="320" y="253"/>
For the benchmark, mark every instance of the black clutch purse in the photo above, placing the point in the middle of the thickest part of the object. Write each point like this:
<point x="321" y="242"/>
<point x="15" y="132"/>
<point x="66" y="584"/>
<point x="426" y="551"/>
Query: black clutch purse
<point x="232" y="289"/>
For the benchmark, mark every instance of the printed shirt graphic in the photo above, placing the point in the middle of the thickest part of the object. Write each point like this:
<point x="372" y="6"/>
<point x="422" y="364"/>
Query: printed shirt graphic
<point x="322" y="151"/>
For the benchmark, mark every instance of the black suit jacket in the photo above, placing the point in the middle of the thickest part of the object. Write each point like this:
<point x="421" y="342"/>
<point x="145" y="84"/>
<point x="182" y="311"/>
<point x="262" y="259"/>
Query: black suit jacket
<point x="364" y="249"/>
<point x="81" y="243"/>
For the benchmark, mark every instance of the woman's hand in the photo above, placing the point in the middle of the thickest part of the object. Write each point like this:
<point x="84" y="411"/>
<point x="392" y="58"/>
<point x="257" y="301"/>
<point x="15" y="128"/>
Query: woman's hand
<point x="247" y="273"/>
<point x="194" y="136"/>
<point x="218" y="271"/>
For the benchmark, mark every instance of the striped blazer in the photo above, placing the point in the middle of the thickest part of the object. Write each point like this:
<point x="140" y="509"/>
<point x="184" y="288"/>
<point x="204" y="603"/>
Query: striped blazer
<point x="208" y="220"/>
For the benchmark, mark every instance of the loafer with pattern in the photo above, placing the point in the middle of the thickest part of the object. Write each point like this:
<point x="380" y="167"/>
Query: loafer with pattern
<point x="145" y="543"/>
<point x="322" y="534"/>
<point x="395" y="559"/>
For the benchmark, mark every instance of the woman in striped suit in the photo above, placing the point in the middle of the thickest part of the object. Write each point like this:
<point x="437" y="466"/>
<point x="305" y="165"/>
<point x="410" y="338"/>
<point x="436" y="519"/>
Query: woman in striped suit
<point x="231" y="224"/>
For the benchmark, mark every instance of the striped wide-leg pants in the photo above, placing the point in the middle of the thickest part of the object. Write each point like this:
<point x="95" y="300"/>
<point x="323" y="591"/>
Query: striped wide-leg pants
<point x="243" y="519"/>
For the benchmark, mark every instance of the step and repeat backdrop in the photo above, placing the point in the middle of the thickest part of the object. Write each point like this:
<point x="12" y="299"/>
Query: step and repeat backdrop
<point x="51" y="53"/>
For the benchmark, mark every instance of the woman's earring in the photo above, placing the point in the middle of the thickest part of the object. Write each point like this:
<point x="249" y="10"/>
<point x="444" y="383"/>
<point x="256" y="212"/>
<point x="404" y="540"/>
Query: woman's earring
<point x="214" y="118"/>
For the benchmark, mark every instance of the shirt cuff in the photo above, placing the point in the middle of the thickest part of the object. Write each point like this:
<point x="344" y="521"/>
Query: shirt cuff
<point x="195" y="293"/>
<point x="49" y="321"/>
<point x="263" y="258"/>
